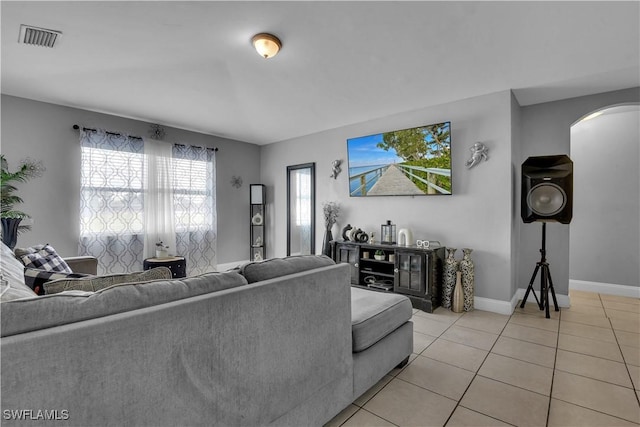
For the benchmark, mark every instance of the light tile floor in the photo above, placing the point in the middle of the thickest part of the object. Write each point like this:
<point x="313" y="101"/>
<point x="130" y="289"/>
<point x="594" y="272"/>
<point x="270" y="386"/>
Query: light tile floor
<point x="581" y="367"/>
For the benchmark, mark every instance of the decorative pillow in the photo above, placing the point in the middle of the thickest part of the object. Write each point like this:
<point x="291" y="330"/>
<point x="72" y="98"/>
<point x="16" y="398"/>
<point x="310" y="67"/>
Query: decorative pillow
<point x="35" y="278"/>
<point x="95" y="283"/>
<point x="12" y="284"/>
<point x="43" y="257"/>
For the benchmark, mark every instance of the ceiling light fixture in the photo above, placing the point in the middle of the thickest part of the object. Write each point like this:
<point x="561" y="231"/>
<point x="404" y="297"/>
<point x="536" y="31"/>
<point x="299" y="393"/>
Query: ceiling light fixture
<point x="266" y="44"/>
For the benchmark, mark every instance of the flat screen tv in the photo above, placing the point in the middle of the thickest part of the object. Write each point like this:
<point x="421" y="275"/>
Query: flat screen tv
<point x="408" y="162"/>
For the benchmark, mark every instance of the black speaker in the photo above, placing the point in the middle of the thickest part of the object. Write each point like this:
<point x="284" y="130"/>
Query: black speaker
<point x="547" y="189"/>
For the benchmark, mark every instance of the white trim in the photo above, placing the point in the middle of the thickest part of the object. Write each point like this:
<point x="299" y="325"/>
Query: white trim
<point x="507" y="307"/>
<point x="605" y="288"/>
<point x="493" y="305"/>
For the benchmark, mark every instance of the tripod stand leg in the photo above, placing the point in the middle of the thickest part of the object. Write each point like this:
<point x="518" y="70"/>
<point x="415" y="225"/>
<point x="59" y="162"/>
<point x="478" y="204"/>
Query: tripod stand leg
<point x="553" y="292"/>
<point x="544" y="290"/>
<point x="530" y="289"/>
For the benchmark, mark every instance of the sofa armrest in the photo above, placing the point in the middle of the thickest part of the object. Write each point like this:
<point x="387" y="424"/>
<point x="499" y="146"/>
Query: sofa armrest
<point x="83" y="264"/>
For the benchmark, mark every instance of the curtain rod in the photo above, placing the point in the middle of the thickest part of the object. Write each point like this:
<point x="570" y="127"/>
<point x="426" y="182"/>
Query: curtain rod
<point x="76" y="127"/>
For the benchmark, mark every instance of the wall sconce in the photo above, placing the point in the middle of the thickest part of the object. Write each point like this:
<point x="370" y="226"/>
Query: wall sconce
<point x="266" y="44"/>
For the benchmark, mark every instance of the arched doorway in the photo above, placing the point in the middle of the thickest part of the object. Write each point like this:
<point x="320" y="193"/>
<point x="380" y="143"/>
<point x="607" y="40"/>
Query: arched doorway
<point x="604" y="234"/>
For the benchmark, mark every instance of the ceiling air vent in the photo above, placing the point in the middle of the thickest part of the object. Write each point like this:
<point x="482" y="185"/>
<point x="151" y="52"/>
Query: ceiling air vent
<point x="38" y="36"/>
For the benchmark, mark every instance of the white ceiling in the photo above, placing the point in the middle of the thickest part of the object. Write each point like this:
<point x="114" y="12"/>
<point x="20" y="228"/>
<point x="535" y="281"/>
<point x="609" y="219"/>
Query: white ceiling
<point x="191" y="65"/>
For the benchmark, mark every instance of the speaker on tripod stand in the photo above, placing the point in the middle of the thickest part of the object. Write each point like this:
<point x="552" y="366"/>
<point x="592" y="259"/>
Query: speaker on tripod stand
<point x="547" y="196"/>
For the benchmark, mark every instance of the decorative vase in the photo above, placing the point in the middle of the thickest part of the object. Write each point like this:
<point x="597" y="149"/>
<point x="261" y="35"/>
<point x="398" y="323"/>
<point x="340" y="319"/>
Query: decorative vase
<point x="10" y="231"/>
<point x="326" y="245"/>
<point x="162" y="253"/>
<point x="467" y="267"/>
<point x="257" y="219"/>
<point x="450" y="268"/>
<point x="457" y="305"/>
<point x="405" y="237"/>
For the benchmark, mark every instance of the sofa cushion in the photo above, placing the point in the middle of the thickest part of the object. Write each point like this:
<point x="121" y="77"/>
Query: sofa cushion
<point x="95" y="283"/>
<point x="374" y="315"/>
<point x="43" y="257"/>
<point x="12" y="284"/>
<point x="277" y="267"/>
<point x="36" y="278"/>
<point x="20" y="316"/>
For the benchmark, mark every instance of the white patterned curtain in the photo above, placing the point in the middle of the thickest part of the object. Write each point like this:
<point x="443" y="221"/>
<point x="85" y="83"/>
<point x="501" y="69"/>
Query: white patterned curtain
<point x="159" y="215"/>
<point x="111" y="201"/>
<point x="129" y="197"/>
<point x="194" y="192"/>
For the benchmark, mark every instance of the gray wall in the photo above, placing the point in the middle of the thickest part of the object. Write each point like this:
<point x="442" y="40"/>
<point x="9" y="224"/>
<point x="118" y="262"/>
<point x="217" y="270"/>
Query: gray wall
<point x="483" y="213"/>
<point x="605" y="231"/>
<point x="546" y="130"/>
<point x="44" y="132"/>
<point x="478" y="215"/>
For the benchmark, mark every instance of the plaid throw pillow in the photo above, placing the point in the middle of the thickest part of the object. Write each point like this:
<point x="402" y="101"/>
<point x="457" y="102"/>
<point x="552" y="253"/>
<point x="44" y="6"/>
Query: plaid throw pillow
<point x="36" y="279"/>
<point x="42" y="257"/>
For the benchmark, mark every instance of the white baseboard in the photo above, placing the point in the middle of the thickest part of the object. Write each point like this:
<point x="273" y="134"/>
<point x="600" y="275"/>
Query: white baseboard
<point x="507" y="307"/>
<point x="605" y="288"/>
<point x="493" y="305"/>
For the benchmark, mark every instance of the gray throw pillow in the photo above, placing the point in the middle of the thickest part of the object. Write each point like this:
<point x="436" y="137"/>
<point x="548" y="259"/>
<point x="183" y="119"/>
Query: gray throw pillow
<point x="95" y="283"/>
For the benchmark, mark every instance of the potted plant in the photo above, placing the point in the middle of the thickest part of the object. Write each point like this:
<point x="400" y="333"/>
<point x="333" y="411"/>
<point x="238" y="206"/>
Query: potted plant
<point x="379" y="255"/>
<point x="10" y="216"/>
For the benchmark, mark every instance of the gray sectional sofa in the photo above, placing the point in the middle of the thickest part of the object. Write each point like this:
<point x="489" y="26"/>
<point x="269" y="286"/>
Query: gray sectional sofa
<point x="284" y="342"/>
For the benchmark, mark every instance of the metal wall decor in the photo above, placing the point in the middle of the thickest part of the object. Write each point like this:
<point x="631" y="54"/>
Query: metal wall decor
<point x="236" y="181"/>
<point x="156" y="132"/>
<point x="335" y="168"/>
<point x="479" y="152"/>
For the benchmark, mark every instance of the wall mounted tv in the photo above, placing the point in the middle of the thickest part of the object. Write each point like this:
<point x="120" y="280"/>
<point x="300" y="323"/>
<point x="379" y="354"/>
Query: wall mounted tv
<point x="408" y="162"/>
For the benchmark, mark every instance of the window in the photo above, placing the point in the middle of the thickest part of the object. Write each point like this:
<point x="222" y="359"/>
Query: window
<point x="112" y="217"/>
<point x="112" y="189"/>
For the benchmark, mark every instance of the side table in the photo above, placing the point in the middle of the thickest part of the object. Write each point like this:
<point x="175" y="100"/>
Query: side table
<point x="177" y="265"/>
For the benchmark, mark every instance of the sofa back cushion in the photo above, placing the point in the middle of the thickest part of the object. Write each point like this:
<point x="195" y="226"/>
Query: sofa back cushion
<point x="277" y="267"/>
<point x="47" y="311"/>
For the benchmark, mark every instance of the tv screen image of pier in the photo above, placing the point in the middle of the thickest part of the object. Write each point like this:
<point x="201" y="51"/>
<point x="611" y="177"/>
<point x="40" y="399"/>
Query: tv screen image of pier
<point x="408" y="162"/>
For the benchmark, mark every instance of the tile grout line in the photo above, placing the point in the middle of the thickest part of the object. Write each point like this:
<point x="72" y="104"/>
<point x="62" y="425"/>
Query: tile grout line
<point x="475" y="375"/>
<point x="571" y="373"/>
<point x="553" y="372"/>
<point x="400" y="379"/>
<point x="624" y="359"/>
<point x="626" y="365"/>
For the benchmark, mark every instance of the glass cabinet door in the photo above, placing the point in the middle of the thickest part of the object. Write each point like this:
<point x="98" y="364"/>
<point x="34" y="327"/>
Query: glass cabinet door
<point x="349" y="254"/>
<point x="410" y="273"/>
